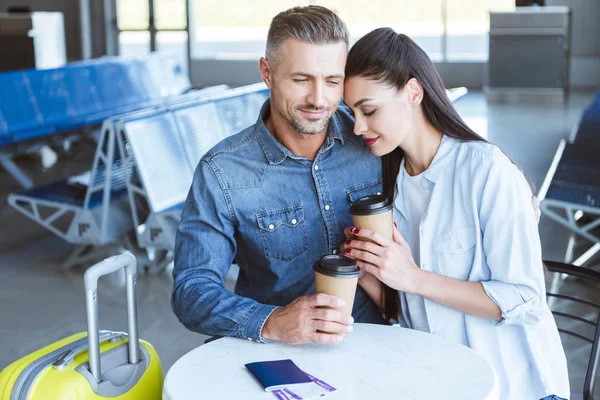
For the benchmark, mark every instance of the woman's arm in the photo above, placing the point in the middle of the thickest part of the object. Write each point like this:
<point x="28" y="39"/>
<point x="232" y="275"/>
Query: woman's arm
<point x="510" y="242"/>
<point x="373" y="287"/>
<point x="392" y="264"/>
<point x="464" y="296"/>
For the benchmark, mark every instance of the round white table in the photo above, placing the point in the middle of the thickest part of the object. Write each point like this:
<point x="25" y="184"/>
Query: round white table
<point x="373" y="362"/>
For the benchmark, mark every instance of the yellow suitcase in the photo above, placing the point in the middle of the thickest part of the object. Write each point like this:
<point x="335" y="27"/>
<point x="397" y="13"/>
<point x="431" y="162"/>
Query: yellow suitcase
<point x="98" y="365"/>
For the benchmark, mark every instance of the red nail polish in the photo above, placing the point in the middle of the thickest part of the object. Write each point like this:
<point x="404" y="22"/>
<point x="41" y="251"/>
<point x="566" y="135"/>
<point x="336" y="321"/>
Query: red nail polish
<point x="355" y="230"/>
<point x="348" y="250"/>
<point x="348" y="242"/>
<point x="395" y="226"/>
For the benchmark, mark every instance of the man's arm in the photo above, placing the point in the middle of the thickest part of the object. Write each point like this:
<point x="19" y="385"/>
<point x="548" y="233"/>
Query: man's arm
<point x="204" y="250"/>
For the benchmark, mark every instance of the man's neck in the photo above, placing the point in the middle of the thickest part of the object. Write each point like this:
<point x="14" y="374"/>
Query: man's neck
<point x="301" y="144"/>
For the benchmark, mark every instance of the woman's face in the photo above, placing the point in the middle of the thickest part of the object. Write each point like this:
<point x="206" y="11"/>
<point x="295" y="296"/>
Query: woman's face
<point x="384" y="115"/>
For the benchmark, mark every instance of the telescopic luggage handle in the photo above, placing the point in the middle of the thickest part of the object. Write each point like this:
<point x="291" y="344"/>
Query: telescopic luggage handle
<point x="90" y="278"/>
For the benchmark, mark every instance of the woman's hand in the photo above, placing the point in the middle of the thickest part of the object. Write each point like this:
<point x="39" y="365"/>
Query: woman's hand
<point x="389" y="261"/>
<point x="392" y="263"/>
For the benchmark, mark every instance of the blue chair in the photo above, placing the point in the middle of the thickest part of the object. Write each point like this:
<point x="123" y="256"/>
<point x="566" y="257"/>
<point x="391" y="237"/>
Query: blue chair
<point x="4" y="138"/>
<point x="94" y="206"/>
<point x="94" y="203"/>
<point x="175" y="141"/>
<point x="149" y="70"/>
<point x="38" y="103"/>
<point x="175" y="79"/>
<point x="79" y="83"/>
<point x="570" y="194"/>
<point x="51" y="98"/>
<point x="131" y="88"/>
<point x="18" y="107"/>
<point x="589" y="122"/>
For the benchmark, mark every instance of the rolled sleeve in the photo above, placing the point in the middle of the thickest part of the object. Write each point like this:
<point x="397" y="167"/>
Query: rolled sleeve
<point x="518" y="305"/>
<point x="511" y="244"/>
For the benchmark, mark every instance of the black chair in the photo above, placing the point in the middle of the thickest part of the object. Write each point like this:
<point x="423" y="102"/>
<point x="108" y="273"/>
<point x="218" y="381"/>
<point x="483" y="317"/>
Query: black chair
<point x="589" y="276"/>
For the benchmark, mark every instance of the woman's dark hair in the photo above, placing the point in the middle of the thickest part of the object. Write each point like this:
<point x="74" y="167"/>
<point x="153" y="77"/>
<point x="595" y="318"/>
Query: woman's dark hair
<point x="393" y="59"/>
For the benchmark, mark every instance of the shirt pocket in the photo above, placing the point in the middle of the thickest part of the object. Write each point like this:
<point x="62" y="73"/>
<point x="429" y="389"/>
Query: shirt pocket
<point x="283" y="233"/>
<point x="366" y="189"/>
<point x="455" y="252"/>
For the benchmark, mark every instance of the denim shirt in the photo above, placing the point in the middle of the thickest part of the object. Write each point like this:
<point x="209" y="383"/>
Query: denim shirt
<point x="276" y="213"/>
<point x="480" y="226"/>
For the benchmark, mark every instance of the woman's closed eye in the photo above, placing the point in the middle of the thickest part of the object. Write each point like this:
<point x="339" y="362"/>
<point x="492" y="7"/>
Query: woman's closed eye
<point x="368" y="113"/>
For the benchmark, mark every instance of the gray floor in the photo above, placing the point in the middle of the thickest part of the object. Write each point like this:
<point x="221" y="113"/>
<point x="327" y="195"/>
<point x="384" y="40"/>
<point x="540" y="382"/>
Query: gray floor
<point x="41" y="303"/>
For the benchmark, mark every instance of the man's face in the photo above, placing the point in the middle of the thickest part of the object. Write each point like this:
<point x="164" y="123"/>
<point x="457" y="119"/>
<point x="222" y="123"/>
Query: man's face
<point x="307" y="84"/>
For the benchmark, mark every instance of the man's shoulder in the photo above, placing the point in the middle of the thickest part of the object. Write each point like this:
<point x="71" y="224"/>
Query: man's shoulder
<point x="239" y="142"/>
<point x="237" y="161"/>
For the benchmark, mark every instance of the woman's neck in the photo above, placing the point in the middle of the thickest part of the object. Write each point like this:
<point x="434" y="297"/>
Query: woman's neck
<point x="420" y="148"/>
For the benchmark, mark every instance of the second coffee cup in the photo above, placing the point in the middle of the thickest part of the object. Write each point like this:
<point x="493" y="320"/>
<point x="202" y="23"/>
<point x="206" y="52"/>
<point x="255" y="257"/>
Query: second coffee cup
<point x="373" y="213"/>
<point x="337" y="276"/>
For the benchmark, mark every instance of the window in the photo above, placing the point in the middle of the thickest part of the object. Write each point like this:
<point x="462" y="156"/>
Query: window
<point x="170" y="14"/>
<point x="132" y="14"/>
<point x="132" y="19"/>
<point x="468" y="25"/>
<point x="234" y="29"/>
<point x="137" y="36"/>
<point x="421" y="20"/>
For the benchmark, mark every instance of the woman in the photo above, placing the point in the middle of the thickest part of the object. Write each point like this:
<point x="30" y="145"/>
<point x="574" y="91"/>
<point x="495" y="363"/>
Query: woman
<point x="466" y="256"/>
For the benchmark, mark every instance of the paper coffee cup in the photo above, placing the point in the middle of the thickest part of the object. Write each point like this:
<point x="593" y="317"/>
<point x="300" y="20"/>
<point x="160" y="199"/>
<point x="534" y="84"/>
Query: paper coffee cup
<point x="373" y="213"/>
<point x="337" y="276"/>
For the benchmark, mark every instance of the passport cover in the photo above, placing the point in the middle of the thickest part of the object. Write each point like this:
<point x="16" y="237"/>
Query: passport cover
<point x="276" y="374"/>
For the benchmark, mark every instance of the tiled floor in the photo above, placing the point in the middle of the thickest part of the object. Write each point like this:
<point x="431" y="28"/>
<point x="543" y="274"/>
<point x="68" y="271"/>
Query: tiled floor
<point x="40" y="303"/>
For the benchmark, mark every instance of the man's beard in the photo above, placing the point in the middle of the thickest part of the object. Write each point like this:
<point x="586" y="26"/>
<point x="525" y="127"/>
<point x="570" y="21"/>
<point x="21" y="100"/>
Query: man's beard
<point x="307" y="127"/>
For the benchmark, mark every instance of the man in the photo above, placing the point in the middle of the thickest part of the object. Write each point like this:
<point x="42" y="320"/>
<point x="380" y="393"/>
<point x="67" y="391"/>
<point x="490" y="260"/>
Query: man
<point x="276" y="197"/>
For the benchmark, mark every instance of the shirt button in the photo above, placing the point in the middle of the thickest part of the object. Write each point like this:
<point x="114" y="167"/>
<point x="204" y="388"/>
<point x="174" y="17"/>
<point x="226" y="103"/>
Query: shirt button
<point x="294" y="221"/>
<point x="334" y="252"/>
<point x="458" y="246"/>
<point x="327" y="207"/>
<point x="316" y="167"/>
<point x="271" y="227"/>
<point x="422" y="230"/>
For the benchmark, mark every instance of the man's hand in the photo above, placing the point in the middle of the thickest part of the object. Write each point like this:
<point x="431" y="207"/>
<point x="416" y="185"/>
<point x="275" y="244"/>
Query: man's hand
<point x="299" y="321"/>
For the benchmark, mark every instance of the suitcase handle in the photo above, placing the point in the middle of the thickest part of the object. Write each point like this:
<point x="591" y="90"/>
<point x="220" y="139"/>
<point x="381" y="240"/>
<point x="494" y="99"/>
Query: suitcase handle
<point x="90" y="279"/>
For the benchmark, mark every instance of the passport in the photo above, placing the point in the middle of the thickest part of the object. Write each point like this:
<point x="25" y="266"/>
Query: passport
<point x="277" y="374"/>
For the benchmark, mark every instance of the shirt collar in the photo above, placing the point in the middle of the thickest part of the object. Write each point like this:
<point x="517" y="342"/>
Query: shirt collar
<point x="439" y="163"/>
<point x="277" y="152"/>
<point x="442" y="157"/>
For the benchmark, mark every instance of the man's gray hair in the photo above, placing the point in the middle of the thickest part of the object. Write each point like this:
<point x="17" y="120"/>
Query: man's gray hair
<point x="310" y="24"/>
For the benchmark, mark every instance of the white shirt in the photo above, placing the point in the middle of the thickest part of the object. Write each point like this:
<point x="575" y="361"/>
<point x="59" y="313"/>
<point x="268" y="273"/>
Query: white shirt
<point x="415" y="198"/>
<point x="480" y="226"/>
